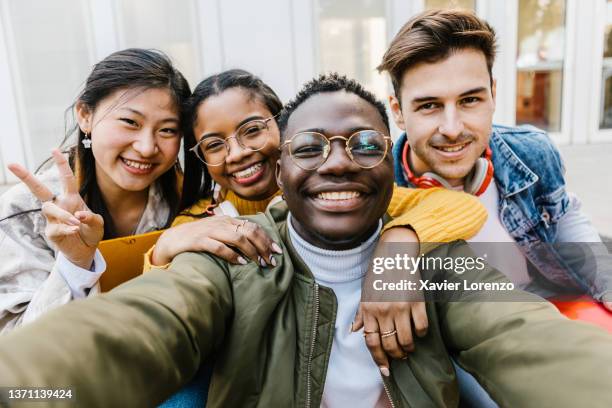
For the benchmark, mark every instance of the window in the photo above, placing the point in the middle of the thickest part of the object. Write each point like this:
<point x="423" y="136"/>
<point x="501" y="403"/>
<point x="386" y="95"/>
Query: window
<point x="540" y="57"/>
<point x="51" y="61"/>
<point x="452" y="4"/>
<point x="605" y="111"/>
<point x="163" y="25"/>
<point x="353" y="39"/>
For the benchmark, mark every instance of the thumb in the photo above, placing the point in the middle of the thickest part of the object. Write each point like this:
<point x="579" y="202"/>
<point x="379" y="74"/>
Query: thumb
<point x="89" y="218"/>
<point x="358" y="322"/>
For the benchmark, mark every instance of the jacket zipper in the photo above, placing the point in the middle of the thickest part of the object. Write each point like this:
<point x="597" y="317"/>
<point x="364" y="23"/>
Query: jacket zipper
<point x="312" y="344"/>
<point x="388" y="393"/>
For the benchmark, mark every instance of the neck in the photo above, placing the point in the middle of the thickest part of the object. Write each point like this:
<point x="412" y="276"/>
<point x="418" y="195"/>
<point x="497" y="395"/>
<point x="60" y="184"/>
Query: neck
<point x="332" y="243"/>
<point x="124" y="207"/>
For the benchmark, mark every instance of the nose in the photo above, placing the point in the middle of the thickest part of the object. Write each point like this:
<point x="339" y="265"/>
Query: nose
<point x="338" y="161"/>
<point x="146" y="144"/>
<point x="236" y="153"/>
<point x="452" y="125"/>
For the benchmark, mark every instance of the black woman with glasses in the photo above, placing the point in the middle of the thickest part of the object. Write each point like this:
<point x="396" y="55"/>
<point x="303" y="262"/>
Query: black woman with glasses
<point x="233" y="146"/>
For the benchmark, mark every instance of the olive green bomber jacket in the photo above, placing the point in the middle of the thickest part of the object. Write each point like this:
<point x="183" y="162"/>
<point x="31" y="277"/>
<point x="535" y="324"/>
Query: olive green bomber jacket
<point x="270" y="333"/>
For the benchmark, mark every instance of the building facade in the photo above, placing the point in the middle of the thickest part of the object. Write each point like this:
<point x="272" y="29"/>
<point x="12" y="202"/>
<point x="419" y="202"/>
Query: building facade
<point x="554" y="66"/>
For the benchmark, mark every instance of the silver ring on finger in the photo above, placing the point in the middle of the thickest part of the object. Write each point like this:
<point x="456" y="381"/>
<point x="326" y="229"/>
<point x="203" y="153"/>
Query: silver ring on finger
<point x="242" y="224"/>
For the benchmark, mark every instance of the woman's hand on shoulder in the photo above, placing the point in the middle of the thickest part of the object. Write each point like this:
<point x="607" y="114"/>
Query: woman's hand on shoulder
<point x="71" y="226"/>
<point x="232" y="239"/>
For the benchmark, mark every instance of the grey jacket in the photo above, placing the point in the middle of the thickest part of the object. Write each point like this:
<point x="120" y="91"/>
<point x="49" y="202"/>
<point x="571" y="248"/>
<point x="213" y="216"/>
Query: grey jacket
<point x="30" y="282"/>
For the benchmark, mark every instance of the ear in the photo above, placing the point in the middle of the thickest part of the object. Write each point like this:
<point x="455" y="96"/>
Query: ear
<point x="277" y="172"/>
<point x="83" y="116"/>
<point x="494" y="90"/>
<point x="396" y="111"/>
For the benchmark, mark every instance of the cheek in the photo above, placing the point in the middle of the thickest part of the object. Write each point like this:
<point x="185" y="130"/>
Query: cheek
<point x="421" y="129"/>
<point x="169" y="148"/>
<point x="270" y="151"/>
<point x="218" y="175"/>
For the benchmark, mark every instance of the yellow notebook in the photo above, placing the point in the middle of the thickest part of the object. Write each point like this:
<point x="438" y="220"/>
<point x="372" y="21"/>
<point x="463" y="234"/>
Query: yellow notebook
<point x="124" y="258"/>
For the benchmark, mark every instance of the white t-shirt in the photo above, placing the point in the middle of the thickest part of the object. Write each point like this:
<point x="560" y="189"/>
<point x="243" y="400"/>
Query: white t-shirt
<point x="502" y="252"/>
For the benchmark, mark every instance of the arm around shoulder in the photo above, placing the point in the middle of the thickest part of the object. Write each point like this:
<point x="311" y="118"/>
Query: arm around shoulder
<point x="436" y="214"/>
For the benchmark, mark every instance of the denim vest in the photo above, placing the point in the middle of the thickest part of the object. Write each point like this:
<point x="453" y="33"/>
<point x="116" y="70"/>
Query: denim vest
<point x="529" y="177"/>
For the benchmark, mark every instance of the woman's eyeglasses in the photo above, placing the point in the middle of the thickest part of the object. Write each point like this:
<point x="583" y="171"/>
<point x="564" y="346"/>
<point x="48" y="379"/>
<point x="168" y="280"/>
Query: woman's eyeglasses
<point x="366" y="148"/>
<point x="251" y="136"/>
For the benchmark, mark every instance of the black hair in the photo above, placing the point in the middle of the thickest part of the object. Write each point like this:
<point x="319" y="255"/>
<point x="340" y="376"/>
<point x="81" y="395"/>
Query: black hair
<point x="131" y="68"/>
<point x="332" y="82"/>
<point x="197" y="183"/>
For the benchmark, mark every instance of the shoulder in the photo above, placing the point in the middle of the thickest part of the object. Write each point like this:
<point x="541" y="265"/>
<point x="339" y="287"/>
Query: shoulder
<point x="524" y="139"/>
<point x="533" y="146"/>
<point x="196" y="211"/>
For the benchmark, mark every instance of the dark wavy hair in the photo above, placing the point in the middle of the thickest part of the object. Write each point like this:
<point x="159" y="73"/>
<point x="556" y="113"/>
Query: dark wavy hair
<point x="197" y="183"/>
<point x="132" y="68"/>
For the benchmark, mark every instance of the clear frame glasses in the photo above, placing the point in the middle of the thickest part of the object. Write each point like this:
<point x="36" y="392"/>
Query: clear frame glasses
<point x="366" y="148"/>
<point x="251" y="136"/>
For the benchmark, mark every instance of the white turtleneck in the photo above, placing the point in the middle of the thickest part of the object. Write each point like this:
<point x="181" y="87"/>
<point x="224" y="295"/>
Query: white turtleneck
<point x="353" y="379"/>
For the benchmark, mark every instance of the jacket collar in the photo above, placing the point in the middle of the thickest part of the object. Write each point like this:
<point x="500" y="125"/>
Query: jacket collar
<point x="511" y="175"/>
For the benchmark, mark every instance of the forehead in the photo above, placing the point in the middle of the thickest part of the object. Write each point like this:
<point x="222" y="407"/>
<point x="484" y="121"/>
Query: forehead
<point x="228" y="109"/>
<point x="150" y="102"/>
<point x="335" y="113"/>
<point x="461" y="71"/>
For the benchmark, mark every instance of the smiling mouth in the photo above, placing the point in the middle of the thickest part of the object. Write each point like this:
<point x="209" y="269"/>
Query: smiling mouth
<point x="248" y="172"/>
<point x="338" y="195"/>
<point x="137" y="165"/>
<point x="452" y="149"/>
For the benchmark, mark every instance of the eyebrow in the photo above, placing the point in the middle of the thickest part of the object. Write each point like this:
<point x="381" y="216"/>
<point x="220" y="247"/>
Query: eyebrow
<point x="326" y="133"/>
<point x="242" y="122"/>
<point x="136" y="112"/>
<point x="472" y="91"/>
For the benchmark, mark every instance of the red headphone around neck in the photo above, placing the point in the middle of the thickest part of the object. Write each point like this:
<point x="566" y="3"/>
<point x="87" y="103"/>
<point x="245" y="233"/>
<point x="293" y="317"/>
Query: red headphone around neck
<point x="476" y="182"/>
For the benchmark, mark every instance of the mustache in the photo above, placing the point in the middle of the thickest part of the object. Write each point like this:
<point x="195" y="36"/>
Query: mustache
<point x="443" y="140"/>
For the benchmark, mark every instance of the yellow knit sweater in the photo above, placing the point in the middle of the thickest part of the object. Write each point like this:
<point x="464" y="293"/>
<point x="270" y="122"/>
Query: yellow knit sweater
<point x="436" y="214"/>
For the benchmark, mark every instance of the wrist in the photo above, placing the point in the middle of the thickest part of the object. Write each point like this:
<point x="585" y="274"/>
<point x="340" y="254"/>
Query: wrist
<point x="161" y="254"/>
<point x="84" y="261"/>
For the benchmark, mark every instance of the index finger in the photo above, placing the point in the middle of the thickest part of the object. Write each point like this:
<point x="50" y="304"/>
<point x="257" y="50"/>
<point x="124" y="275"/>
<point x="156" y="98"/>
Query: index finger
<point x="65" y="172"/>
<point x="37" y="188"/>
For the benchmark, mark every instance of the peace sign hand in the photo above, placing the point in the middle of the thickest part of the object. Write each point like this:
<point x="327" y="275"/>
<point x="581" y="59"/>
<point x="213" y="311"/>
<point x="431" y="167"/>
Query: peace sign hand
<point x="71" y="226"/>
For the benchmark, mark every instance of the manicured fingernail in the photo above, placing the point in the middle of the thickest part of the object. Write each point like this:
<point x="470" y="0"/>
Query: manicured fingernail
<point x="385" y="371"/>
<point x="272" y="260"/>
<point x="74" y="221"/>
<point x="276" y="248"/>
<point x="261" y="262"/>
<point x="242" y="261"/>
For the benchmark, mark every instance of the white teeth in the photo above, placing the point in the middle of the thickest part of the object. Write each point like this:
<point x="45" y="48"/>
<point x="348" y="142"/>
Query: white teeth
<point x="451" y="149"/>
<point x="248" y="172"/>
<point x="138" y="165"/>
<point x="338" y="195"/>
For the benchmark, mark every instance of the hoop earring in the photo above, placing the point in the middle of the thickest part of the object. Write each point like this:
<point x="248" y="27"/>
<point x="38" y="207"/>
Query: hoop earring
<point x="86" y="141"/>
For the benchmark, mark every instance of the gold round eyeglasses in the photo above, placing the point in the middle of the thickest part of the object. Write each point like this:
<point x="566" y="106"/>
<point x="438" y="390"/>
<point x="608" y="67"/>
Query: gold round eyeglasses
<point x="366" y="148"/>
<point x="251" y="136"/>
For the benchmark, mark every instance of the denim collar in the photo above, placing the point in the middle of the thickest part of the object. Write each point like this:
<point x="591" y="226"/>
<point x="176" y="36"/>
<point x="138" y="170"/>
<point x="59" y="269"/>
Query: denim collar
<point x="511" y="175"/>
